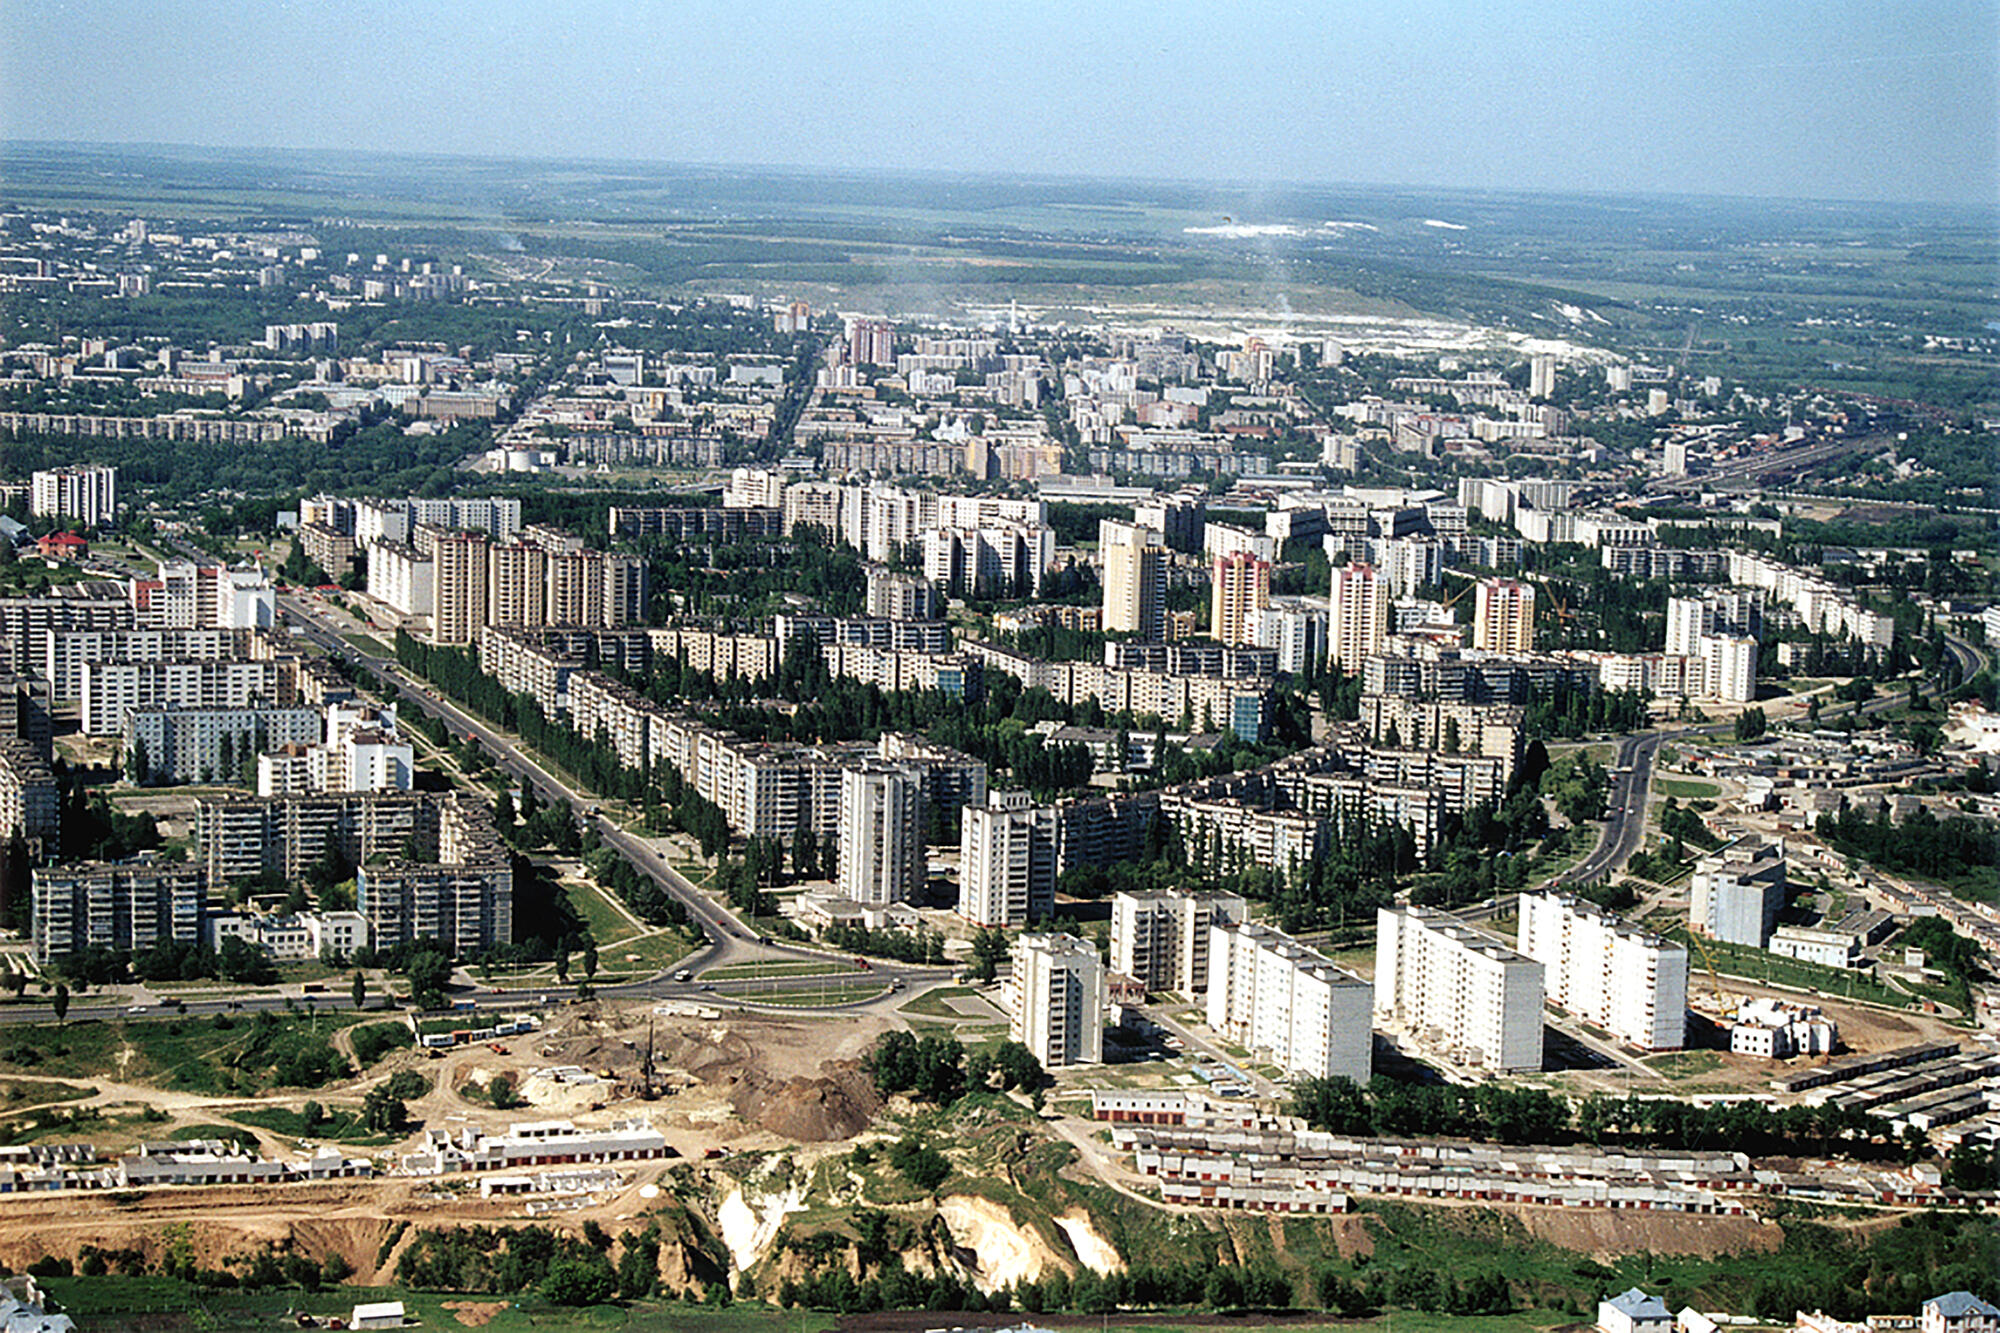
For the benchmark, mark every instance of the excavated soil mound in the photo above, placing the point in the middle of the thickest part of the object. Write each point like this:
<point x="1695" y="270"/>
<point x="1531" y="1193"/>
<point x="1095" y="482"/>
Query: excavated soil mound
<point x="836" y="1105"/>
<point x="475" y="1314"/>
<point x="1601" y="1231"/>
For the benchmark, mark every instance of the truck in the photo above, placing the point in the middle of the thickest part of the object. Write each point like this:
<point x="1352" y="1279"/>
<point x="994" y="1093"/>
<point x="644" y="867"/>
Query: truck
<point x="683" y="975"/>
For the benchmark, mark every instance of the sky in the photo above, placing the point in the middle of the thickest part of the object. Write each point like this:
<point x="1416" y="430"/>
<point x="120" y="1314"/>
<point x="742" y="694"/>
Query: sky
<point x="1875" y="100"/>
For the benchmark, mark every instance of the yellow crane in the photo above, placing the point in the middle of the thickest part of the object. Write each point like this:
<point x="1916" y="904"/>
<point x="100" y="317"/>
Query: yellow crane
<point x="1722" y="1004"/>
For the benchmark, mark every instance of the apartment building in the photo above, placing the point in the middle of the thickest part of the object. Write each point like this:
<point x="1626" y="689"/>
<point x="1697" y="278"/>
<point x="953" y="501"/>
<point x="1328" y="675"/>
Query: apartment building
<point x="1135" y="579"/>
<point x="87" y="494"/>
<point x="1007" y="860"/>
<point x="897" y="594"/>
<point x="1503" y="616"/>
<point x="1055" y="1000"/>
<point x="1162" y="939"/>
<point x="1268" y="992"/>
<point x="1457" y="991"/>
<point x="460" y="573"/>
<point x="1240" y="590"/>
<point x="178" y="745"/>
<point x="124" y="905"/>
<point x="27" y="623"/>
<point x="1629" y="982"/>
<point x="112" y="690"/>
<point x="1738" y="891"/>
<point x="30" y="801"/>
<point x="882" y="817"/>
<point x="1357" y="617"/>
<point x="403" y="579"/>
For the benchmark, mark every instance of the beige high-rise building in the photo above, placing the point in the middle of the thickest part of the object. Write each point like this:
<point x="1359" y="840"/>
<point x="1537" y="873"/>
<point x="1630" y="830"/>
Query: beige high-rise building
<point x="1503" y="617"/>
<point x="1135" y="579"/>
<point x="518" y="585"/>
<point x="461" y="578"/>
<point x="1241" y="589"/>
<point x="1359" y="615"/>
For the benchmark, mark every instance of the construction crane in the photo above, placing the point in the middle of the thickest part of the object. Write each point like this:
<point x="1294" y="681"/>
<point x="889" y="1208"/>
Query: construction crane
<point x="1722" y="1005"/>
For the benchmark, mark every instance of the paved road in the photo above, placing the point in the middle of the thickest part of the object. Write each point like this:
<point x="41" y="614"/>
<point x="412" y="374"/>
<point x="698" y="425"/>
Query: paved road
<point x="728" y="942"/>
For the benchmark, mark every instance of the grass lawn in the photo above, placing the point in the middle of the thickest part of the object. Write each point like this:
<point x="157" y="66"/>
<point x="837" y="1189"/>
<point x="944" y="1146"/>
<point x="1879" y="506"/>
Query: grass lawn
<point x="653" y="953"/>
<point x="842" y="992"/>
<point x="936" y="1003"/>
<point x="1687" y="789"/>
<point x="607" y="925"/>
<point x="1835" y="983"/>
<point x="338" y="1126"/>
<point x="223" y="1055"/>
<point x="801" y="968"/>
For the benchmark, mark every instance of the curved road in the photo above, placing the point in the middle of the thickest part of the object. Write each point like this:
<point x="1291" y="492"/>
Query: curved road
<point x="729" y="943"/>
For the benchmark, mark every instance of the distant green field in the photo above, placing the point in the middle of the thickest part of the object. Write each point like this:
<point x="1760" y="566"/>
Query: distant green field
<point x="1687" y="789"/>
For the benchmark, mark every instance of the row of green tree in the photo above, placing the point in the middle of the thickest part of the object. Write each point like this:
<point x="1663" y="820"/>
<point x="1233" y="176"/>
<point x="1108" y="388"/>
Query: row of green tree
<point x="1385" y="1108"/>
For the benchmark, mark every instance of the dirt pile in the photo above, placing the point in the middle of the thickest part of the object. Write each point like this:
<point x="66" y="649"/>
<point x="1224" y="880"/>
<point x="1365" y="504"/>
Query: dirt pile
<point x="1602" y="1231"/>
<point x="833" y="1106"/>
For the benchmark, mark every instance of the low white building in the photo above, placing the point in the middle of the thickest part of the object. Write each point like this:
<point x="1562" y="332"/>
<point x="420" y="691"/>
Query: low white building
<point x="1830" y="948"/>
<point x="1634" y="1311"/>
<point x="1775" y="1030"/>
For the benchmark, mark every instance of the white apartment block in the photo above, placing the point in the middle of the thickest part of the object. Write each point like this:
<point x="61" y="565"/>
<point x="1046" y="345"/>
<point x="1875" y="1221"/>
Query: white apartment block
<point x="1163" y="939"/>
<point x="1007" y="861"/>
<point x="67" y="651"/>
<point x="402" y="579"/>
<point x="1825" y="607"/>
<point x="882" y="854"/>
<point x="173" y="745"/>
<point x="1624" y="980"/>
<point x="111" y="690"/>
<point x="1055" y="1000"/>
<point x="1458" y="991"/>
<point x="87" y="494"/>
<point x="1268" y="992"/>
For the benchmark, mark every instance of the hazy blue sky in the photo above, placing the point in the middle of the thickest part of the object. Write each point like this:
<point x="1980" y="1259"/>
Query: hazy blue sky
<point x="1876" y="99"/>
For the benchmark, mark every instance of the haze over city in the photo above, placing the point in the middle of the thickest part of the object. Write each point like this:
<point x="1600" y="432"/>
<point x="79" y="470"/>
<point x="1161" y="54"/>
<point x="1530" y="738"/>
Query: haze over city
<point x="1846" y="100"/>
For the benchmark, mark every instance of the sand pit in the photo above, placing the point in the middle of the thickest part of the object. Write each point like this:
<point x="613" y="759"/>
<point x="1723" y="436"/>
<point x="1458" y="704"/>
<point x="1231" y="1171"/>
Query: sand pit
<point x="1095" y="1251"/>
<point x="1003" y="1253"/>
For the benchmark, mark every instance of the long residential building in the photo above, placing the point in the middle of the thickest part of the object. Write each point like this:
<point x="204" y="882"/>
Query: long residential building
<point x="131" y="905"/>
<point x="1268" y="992"/>
<point x="1458" y="991"/>
<point x="1629" y="982"/>
<point x="112" y="690"/>
<point x="176" y="745"/>
<point x="68" y="651"/>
